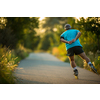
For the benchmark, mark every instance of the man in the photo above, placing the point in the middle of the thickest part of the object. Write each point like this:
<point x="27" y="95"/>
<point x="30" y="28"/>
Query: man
<point x="73" y="46"/>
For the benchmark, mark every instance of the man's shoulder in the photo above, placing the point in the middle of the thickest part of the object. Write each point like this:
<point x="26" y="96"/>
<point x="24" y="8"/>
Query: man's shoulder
<point x="63" y="33"/>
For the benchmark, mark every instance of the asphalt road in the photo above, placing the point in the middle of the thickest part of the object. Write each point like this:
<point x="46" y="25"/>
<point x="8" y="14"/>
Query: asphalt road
<point x="44" y="68"/>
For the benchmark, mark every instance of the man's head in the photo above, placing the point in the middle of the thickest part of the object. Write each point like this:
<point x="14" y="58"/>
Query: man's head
<point x="67" y="26"/>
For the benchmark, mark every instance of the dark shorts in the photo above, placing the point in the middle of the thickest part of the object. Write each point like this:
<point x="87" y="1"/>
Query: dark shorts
<point x="74" y="50"/>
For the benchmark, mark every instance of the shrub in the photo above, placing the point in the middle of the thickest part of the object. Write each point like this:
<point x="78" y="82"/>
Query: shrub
<point x="7" y="64"/>
<point x="97" y="63"/>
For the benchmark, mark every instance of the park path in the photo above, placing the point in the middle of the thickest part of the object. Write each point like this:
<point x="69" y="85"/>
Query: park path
<point x="44" y="68"/>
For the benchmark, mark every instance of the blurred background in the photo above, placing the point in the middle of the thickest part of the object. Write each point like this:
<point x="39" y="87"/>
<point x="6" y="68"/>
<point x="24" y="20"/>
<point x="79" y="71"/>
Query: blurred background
<point x="21" y="35"/>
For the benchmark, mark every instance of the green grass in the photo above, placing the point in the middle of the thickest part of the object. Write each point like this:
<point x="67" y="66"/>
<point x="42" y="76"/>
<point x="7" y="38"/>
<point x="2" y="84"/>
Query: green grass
<point x="9" y="60"/>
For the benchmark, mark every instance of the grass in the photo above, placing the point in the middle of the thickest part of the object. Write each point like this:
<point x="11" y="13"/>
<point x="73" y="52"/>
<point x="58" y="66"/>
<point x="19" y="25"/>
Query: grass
<point x="7" y="65"/>
<point x="9" y="60"/>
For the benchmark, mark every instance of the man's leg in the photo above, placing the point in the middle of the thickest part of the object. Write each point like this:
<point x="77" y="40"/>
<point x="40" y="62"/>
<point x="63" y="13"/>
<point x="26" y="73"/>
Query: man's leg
<point x="73" y="65"/>
<point x="84" y="57"/>
<point x="72" y="62"/>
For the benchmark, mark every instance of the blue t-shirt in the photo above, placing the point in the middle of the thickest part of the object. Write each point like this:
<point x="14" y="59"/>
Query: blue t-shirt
<point x="68" y="36"/>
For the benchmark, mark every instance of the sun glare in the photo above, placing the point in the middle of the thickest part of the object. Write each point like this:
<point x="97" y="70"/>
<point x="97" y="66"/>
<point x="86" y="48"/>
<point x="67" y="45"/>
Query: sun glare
<point x="41" y="18"/>
<point x="79" y="18"/>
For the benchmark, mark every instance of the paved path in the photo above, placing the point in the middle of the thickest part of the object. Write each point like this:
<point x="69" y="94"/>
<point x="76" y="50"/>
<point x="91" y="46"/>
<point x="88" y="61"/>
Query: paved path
<point x="43" y="68"/>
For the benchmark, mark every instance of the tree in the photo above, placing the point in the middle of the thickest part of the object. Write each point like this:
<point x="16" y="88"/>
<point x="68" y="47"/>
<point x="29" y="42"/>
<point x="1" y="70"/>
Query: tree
<point x="51" y="22"/>
<point x="31" y="40"/>
<point x="12" y="31"/>
<point x="44" y="43"/>
<point x="92" y="25"/>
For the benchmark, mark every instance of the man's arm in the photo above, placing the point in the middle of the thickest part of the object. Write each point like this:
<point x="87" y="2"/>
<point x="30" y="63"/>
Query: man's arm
<point x="70" y="42"/>
<point x="62" y="40"/>
<point x="77" y="36"/>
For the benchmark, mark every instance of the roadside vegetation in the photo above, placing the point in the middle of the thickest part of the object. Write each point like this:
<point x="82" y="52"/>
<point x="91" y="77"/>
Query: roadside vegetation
<point x="17" y="39"/>
<point x="9" y="60"/>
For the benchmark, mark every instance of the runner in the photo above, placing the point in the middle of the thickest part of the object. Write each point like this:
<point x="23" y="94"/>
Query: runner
<point x="71" y="38"/>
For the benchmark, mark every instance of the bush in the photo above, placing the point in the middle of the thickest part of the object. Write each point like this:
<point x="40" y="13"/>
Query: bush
<point x="60" y="53"/>
<point x="7" y="65"/>
<point x="8" y="62"/>
<point x="97" y="63"/>
<point x="21" y="52"/>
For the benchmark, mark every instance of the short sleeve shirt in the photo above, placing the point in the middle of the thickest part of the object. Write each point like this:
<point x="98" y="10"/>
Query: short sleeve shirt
<point x="68" y="36"/>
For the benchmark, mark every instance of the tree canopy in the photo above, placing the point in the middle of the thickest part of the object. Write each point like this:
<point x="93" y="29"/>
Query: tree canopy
<point x="91" y="25"/>
<point x="14" y="30"/>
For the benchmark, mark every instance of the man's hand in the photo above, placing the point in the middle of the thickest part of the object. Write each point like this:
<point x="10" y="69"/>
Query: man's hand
<point x="73" y="40"/>
<point x="70" y="42"/>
